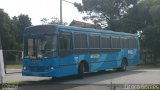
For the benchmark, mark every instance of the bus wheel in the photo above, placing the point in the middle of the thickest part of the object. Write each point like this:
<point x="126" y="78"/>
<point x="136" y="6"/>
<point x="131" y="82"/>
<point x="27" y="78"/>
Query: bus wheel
<point x="123" y="66"/>
<point x="81" y="70"/>
<point x="54" y="78"/>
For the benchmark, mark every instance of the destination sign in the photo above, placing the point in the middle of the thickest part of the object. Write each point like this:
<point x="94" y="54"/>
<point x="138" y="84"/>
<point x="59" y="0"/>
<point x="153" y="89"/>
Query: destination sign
<point x="40" y="30"/>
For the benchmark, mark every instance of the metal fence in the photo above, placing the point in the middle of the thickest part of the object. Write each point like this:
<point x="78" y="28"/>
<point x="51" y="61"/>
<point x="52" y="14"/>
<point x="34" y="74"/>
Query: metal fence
<point x="148" y="58"/>
<point x="12" y="56"/>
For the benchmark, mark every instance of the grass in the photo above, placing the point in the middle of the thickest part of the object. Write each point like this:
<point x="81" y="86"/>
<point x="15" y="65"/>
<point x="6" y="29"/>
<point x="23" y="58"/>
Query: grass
<point x="16" y="66"/>
<point x="143" y="66"/>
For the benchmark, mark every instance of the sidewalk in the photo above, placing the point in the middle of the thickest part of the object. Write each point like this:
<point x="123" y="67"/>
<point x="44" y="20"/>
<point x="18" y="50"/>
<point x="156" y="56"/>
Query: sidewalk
<point x="14" y="75"/>
<point x="10" y="71"/>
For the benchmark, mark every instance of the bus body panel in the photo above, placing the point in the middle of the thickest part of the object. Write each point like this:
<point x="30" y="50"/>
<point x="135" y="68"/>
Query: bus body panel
<point x="69" y="65"/>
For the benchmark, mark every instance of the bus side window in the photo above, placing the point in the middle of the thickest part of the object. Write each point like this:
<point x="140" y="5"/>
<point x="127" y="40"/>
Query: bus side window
<point x="80" y="43"/>
<point x="132" y="42"/>
<point x="105" y="44"/>
<point x="124" y="43"/>
<point x="77" y="40"/>
<point x="136" y="43"/>
<point x="115" y="42"/>
<point x="65" y="43"/>
<point x="94" y="43"/>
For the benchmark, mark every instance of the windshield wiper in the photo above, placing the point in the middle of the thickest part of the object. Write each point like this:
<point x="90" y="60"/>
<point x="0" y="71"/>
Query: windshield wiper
<point x="49" y="54"/>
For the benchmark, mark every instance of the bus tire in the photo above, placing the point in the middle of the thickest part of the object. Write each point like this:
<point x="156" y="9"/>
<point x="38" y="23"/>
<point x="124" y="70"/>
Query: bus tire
<point x="102" y="71"/>
<point x="54" y="79"/>
<point x="81" y="70"/>
<point x="123" y="66"/>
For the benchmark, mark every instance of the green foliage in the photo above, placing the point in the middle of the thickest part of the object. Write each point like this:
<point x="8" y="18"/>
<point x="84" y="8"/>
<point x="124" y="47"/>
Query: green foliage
<point x="143" y="17"/>
<point x="127" y="16"/>
<point x="135" y="20"/>
<point x="155" y="13"/>
<point x="11" y="30"/>
<point x="53" y="20"/>
<point x="22" y="21"/>
<point x="5" y="30"/>
<point x="124" y="25"/>
<point x="104" y="11"/>
<point x="152" y="39"/>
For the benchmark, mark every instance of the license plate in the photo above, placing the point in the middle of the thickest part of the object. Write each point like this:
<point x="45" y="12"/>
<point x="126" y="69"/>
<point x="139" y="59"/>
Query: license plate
<point x="35" y="74"/>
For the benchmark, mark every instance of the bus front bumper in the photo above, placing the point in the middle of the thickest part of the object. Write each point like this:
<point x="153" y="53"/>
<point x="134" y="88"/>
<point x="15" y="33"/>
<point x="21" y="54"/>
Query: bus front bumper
<point x="49" y="73"/>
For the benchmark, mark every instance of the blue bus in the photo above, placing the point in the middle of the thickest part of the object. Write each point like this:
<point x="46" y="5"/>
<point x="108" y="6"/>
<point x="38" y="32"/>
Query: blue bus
<point x="58" y="51"/>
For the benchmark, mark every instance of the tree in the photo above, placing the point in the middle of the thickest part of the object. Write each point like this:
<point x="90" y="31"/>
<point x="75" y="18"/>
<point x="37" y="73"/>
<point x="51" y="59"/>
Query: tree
<point x="53" y="20"/>
<point x="44" y="20"/>
<point x="5" y="31"/>
<point x="152" y="40"/>
<point x="155" y="13"/>
<point x="104" y="11"/>
<point x="135" y="20"/>
<point x="23" y="21"/>
<point x="128" y="16"/>
<point x="143" y="17"/>
<point x="11" y="30"/>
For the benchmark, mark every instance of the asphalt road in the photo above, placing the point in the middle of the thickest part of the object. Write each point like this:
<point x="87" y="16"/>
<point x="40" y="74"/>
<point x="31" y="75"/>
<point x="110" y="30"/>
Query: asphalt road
<point x="100" y="80"/>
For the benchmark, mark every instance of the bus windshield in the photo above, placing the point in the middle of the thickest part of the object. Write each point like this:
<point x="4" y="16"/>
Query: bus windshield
<point x="40" y="47"/>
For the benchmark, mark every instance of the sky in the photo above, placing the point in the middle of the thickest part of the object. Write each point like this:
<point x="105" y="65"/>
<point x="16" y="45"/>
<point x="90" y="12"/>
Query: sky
<point x="38" y="9"/>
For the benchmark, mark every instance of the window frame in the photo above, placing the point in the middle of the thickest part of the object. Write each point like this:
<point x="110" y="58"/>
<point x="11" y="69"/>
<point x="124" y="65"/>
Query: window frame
<point x="108" y="42"/>
<point x="82" y="43"/>
<point x="115" y="44"/>
<point x="65" y="34"/>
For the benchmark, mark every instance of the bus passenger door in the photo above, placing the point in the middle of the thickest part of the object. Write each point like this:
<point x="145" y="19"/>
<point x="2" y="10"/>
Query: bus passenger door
<point x="66" y="60"/>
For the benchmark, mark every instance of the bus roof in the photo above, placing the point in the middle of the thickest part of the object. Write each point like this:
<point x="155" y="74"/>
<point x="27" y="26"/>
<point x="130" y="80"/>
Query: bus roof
<point x="73" y="28"/>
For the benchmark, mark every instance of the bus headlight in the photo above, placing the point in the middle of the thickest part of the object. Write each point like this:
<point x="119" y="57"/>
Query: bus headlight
<point x="51" y="68"/>
<point x="24" y="68"/>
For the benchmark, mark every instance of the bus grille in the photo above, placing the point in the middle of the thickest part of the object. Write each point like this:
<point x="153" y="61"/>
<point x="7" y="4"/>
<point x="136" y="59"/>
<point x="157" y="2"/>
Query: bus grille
<point x="38" y="68"/>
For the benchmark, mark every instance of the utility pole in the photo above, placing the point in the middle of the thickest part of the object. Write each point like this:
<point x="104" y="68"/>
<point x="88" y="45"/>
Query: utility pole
<point x="61" y="18"/>
<point x="61" y="12"/>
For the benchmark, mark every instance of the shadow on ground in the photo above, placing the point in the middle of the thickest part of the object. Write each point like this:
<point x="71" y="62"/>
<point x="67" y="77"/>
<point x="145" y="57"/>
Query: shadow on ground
<point x="95" y="77"/>
<point x="60" y="83"/>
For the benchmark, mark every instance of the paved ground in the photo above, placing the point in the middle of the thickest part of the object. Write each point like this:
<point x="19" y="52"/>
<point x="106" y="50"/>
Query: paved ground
<point x="14" y="75"/>
<point x="143" y="76"/>
<point x="94" y="80"/>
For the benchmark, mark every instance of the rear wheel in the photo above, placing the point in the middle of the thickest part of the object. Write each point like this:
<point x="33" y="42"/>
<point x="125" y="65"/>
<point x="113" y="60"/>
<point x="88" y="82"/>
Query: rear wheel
<point x="54" y="78"/>
<point x="123" y="66"/>
<point x="101" y="71"/>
